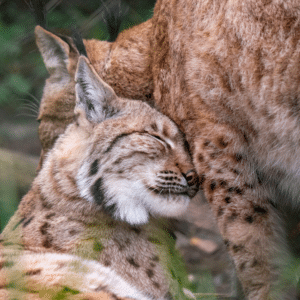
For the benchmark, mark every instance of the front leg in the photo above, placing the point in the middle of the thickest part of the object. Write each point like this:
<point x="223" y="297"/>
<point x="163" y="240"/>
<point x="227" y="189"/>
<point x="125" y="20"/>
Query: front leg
<point x="249" y="224"/>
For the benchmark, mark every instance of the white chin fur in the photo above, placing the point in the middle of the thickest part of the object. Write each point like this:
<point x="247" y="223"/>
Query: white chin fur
<point x="167" y="205"/>
<point x="129" y="210"/>
<point x="134" y="203"/>
<point x="129" y="207"/>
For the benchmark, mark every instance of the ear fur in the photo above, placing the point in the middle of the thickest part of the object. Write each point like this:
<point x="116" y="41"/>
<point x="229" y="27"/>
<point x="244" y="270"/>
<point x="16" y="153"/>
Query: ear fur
<point x="55" y="52"/>
<point x="93" y="95"/>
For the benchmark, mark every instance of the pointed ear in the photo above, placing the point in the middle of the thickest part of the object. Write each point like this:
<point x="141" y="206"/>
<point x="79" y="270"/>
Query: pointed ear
<point x="55" y="52"/>
<point x="93" y="95"/>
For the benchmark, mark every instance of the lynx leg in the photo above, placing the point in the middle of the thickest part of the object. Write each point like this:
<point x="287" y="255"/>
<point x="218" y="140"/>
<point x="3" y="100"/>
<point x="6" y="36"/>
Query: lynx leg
<point x="249" y="224"/>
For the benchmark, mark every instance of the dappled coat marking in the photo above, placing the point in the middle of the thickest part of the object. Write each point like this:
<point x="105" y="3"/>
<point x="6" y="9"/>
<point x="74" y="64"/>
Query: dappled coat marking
<point x="87" y="223"/>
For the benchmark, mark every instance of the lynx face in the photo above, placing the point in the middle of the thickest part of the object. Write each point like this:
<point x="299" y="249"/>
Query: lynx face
<point x="136" y="176"/>
<point x="129" y="159"/>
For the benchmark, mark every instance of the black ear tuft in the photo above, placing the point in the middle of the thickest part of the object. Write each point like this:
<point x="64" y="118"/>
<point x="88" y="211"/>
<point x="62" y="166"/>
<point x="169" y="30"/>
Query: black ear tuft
<point x="38" y="8"/>
<point x="93" y="95"/>
<point x="78" y="41"/>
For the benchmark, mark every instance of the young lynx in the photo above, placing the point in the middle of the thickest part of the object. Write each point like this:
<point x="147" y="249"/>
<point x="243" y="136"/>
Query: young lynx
<point x="228" y="73"/>
<point x="90" y="222"/>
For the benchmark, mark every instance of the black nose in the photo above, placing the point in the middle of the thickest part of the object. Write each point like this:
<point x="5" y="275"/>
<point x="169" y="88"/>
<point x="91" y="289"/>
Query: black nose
<point x="193" y="182"/>
<point x="191" y="178"/>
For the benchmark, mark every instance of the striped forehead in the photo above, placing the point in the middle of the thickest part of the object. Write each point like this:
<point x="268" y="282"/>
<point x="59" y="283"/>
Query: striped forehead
<point x="167" y="130"/>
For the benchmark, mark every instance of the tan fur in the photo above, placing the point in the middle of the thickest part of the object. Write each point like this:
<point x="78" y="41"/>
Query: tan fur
<point x="134" y="69"/>
<point x="58" y="100"/>
<point x="120" y="159"/>
<point x="227" y="72"/>
<point x="238" y="71"/>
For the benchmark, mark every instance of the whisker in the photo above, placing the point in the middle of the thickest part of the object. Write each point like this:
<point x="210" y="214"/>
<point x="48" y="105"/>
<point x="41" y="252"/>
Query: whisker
<point x="30" y="110"/>
<point x="26" y="99"/>
<point x="34" y="98"/>
<point x="32" y="104"/>
<point x="150" y="186"/>
<point x="26" y="115"/>
<point x="28" y="105"/>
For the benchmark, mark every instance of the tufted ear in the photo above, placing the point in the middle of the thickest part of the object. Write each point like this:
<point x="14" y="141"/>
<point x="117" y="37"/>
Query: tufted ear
<point x="93" y="95"/>
<point x="55" y="53"/>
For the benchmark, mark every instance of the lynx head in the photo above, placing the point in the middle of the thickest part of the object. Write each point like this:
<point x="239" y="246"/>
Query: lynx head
<point x="60" y="55"/>
<point x="122" y="155"/>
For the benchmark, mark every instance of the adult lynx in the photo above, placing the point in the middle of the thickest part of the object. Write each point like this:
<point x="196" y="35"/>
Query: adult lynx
<point x="228" y="73"/>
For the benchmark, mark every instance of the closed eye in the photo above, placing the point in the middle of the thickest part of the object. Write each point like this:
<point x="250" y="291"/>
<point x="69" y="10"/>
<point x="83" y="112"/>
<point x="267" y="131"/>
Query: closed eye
<point x="163" y="141"/>
<point x="158" y="137"/>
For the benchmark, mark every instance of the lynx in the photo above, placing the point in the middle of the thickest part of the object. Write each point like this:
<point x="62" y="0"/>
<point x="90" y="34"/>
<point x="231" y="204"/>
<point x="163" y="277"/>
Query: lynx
<point x="95" y="217"/>
<point x="227" y="73"/>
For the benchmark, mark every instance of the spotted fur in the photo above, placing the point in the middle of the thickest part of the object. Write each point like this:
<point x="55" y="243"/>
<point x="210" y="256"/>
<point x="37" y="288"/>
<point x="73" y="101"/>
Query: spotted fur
<point x="227" y="72"/>
<point x="91" y="221"/>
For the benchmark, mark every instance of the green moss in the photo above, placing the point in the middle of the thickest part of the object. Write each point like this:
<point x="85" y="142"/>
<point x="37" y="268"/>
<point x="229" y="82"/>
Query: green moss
<point x="8" y="264"/>
<point x="12" y="232"/>
<point x="154" y="240"/>
<point x="169" y="257"/>
<point x="18" y="224"/>
<point x="11" y="285"/>
<point x="64" y="293"/>
<point x="98" y="247"/>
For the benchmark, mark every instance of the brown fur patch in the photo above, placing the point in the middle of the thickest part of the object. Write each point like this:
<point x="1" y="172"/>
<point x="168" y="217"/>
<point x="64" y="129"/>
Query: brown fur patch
<point x="132" y="262"/>
<point x="33" y="272"/>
